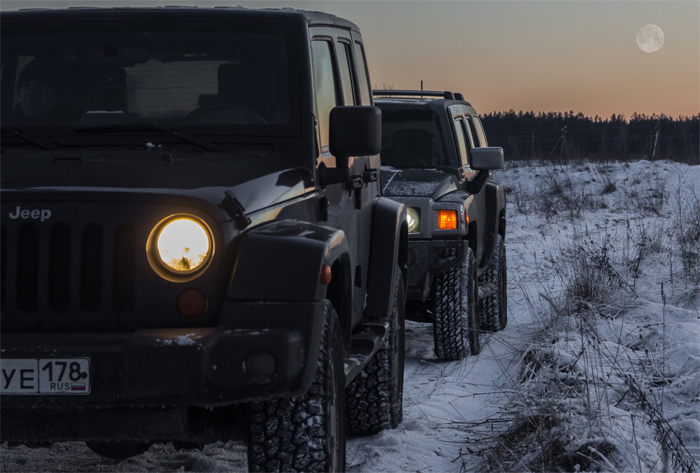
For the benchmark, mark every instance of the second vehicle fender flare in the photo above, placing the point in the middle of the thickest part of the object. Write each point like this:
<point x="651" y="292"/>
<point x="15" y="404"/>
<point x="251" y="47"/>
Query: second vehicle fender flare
<point x="495" y="203"/>
<point x="472" y="212"/>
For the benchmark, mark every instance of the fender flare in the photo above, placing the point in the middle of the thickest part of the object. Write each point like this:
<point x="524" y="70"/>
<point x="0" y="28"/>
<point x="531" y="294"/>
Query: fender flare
<point x="471" y="209"/>
<point x="282" y="261"/>
<point x="389" y="249"/>
<point x="495" y="215"/>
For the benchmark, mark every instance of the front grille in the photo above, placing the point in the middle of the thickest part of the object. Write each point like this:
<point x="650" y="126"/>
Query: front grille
<point x="52" y="269"/>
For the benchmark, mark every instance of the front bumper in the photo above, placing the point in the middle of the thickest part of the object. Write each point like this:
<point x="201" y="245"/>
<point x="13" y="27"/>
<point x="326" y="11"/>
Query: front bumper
<point x="259" y="351"/>
<point x="427" y="258"/>
<point x="162" y="384"/>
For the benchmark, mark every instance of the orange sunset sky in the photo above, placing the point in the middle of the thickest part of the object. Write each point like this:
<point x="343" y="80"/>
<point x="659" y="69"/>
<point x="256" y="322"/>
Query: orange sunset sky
<point x="545" y="55"/>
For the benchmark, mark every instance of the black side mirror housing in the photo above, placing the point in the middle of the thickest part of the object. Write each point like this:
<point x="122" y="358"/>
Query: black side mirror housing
<point x="354" y="131"/>
<point x="487" y="158"/>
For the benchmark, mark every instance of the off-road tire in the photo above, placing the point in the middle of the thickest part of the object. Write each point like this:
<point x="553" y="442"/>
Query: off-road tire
<point x="493" y="310"/>
<point x="306" y="433"/>
<point x="118" y="450"/>
<point x="456" y="330"/>
<point x="375" y="397"/>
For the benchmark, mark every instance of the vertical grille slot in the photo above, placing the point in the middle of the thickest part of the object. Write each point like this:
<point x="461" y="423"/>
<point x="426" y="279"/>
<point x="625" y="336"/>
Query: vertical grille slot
<point x="91" y="268"/>
<point x="59" y="267"/>
<point x="3" y="262"/>
<point x="27" y="267"/>
<point x="124" y="251"/>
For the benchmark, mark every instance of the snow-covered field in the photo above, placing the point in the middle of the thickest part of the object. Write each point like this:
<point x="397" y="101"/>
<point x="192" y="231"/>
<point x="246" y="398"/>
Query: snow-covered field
<point x="597" y="370"/>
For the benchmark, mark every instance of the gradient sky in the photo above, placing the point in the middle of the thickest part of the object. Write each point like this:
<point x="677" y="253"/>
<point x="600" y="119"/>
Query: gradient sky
<point x="545" y="55"/>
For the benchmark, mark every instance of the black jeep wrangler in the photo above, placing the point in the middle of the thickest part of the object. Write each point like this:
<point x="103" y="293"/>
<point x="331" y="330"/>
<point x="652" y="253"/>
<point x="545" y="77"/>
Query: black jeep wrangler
<point x="194" y="242"/>
<point x="436" y="160"/>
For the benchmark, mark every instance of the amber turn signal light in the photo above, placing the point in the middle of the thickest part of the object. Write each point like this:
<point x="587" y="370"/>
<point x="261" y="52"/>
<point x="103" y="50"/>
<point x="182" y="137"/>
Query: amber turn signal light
<point x="447" y="219"/>
<point x="326" y="274"/>
<point x="191" y="303"/>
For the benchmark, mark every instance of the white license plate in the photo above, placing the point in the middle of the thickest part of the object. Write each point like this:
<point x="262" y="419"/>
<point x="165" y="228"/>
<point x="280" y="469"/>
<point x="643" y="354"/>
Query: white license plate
<point x="45" y="376"/>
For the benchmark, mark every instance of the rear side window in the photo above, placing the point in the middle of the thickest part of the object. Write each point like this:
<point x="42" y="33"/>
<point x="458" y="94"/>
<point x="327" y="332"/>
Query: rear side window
<point x="469" y="130"/>
<point x="461" y="141"/>
<point x="480" y="132"/>
<point x="476" y="138"/>
<point x="346" y="76"/>
<point x="325" y="86"/>
<point x="362" y="75"/>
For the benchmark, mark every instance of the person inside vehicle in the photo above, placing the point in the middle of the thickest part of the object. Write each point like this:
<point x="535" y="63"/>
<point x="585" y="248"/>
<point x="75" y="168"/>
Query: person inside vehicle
<point x="39" y="96"/>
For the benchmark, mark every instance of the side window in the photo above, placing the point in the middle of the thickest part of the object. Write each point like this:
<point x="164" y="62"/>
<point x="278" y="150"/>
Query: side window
<point x="469" y="130"/>
<point x="362" y="75"/>
<point x="346" y="75"/>
<point x="461" y="141"/>
<point x="480" y="132"/>
<point x="325" y="86"/>
<point x="476" y="139"/>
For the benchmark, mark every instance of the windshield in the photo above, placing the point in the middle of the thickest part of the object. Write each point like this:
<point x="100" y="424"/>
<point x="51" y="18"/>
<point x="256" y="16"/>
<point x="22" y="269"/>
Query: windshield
<point x="411" y="139"/>
<point x="202" y="78"/>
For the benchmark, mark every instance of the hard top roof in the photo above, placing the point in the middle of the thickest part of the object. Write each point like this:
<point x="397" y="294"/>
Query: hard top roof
<point x="313" y="18"/>
<point x="424" y="98"/>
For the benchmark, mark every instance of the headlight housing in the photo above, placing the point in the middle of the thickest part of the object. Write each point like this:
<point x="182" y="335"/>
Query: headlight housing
<point x="180" y="247"/>
<point x="413" y="219"/>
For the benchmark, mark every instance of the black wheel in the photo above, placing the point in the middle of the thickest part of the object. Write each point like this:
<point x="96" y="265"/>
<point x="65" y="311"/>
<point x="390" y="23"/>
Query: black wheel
<point x="493" y="310"/>
<point x="223" y="114"/>
<point x="375" y="396"/>
<point x="456" y="329"/>
<point x="118" y="450"/>
<point x="306" y="433"/>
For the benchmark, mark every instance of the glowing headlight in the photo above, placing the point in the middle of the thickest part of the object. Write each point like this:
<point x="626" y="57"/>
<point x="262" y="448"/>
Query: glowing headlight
<point x="413" y="220"/>
<point x="182" y="246"/>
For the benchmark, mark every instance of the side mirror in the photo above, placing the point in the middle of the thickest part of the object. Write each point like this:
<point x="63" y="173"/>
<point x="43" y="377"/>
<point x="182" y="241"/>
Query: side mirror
<point x="354" y="131"/>
<point x="487" y="158"/>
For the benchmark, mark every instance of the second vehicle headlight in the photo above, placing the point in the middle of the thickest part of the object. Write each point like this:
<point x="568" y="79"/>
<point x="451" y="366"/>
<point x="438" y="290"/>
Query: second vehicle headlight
<point x="413" y="220"/>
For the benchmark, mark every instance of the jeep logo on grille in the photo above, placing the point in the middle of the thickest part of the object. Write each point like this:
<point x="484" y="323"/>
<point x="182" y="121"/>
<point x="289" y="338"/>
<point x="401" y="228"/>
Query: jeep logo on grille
<point x="34" y="214"/>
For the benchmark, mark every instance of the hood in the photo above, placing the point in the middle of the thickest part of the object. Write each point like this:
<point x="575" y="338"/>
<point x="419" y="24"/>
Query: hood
<point x="257" y="179"/>
<point x="417" y="182"/>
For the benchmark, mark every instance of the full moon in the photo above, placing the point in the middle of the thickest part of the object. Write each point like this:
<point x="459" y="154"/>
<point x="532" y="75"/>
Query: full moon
<point x="650" y="38"/>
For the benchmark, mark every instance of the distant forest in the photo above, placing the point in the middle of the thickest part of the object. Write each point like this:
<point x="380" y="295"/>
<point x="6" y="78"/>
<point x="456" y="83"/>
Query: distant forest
<point x="530" y="135"/>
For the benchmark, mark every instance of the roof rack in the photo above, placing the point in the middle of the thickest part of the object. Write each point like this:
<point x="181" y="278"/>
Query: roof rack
<point x="445" y="94"/>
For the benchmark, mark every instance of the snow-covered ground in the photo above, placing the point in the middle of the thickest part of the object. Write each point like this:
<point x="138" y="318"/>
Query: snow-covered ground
<point x="599" y="378"/>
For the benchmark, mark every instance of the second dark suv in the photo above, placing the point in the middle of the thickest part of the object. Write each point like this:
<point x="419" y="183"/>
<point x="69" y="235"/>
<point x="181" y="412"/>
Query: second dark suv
<point x="436" y="160"/>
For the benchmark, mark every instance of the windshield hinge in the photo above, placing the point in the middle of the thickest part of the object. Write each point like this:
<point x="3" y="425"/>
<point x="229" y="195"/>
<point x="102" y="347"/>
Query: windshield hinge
<point x="234" y="208"/>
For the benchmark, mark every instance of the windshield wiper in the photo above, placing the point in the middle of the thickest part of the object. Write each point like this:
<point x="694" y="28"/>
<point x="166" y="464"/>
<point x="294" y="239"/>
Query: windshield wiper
<point x="145" y="126"/>
<point x="29" y="139"/>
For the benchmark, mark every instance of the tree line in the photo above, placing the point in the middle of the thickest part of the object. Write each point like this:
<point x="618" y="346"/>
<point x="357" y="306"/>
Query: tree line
<point x="557" y="135"/>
